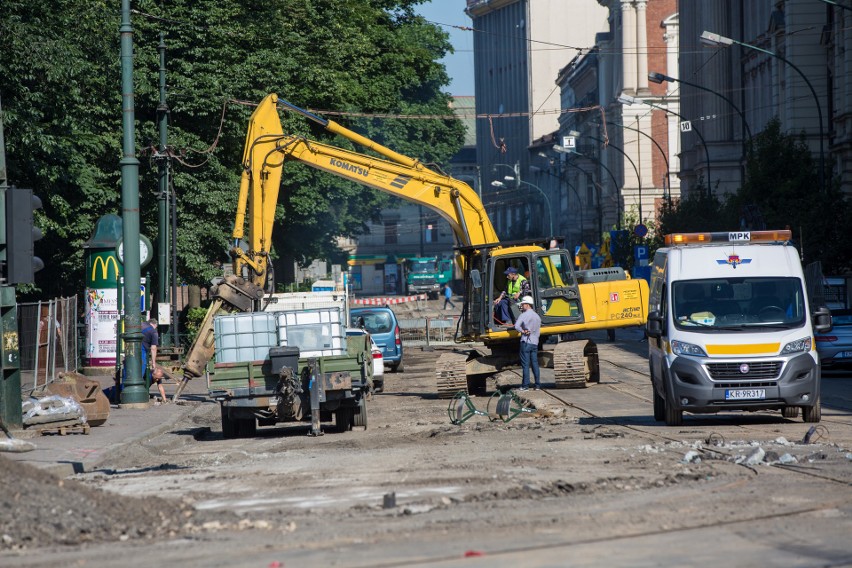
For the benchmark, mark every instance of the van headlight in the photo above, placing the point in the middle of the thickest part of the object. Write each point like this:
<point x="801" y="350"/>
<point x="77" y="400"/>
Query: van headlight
<point x="802" y="345"/>
<point x="683" y="348"/>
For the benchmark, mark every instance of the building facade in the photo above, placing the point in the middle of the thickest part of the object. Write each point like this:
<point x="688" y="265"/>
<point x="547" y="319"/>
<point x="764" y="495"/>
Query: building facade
<point x="623" y="158"/>
<point x="519" y="48"/>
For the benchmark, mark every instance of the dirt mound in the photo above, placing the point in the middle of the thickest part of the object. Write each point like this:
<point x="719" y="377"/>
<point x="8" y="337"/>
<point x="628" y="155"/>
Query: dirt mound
<point x="43" y="510"/>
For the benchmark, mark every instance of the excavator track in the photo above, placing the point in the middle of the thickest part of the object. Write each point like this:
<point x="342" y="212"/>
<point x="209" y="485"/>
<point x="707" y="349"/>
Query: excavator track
<point x="451" y="372"/>
<point x="575" y="364"/>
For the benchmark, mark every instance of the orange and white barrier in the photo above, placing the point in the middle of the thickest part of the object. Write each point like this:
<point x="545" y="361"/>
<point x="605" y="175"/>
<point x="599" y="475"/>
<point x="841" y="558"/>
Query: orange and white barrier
<point x="387" y="300"/>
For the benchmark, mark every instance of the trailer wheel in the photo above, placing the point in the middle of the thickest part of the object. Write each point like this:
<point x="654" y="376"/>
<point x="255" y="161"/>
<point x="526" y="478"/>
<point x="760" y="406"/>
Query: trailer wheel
<point x="343" y="419"/>
<point x="359" y="418"/>
<point x="237" y="427"/>
<point x="229" y="428"/>
<point x="246" y="427"/>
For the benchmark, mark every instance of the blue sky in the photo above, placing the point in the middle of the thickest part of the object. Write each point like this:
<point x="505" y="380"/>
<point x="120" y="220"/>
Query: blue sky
<point x="460" y="64"/>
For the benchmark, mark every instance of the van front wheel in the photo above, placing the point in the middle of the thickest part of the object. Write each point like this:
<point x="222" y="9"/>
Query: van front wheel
<point x="673" y="416"/>
<point x="659" y="406"/>
<point x="812" y="414"/>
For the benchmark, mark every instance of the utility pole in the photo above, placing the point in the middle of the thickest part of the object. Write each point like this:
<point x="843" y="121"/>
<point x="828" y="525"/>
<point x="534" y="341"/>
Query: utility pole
<point x="135" y="392"/>
<point x="164" y="163"/>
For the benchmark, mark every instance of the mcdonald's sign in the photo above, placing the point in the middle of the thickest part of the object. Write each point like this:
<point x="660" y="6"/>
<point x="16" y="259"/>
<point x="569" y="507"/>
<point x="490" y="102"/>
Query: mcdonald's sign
<point x="103" y="270"/>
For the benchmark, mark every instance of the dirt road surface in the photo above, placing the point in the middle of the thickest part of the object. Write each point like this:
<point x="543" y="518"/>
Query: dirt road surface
<point x="589" y="480"/>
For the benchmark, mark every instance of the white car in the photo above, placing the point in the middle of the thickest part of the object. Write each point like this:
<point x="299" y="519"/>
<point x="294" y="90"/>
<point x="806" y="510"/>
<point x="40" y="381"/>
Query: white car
<point x="378" y="359"/>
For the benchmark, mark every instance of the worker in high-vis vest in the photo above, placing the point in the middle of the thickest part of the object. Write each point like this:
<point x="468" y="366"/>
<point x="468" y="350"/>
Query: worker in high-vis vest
<point x="517" y="286"/>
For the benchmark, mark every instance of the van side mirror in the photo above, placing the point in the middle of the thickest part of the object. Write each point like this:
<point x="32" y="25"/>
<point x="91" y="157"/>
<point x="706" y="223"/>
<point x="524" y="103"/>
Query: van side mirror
<point x="822" y="320"/>
<point x="654" y="327"/>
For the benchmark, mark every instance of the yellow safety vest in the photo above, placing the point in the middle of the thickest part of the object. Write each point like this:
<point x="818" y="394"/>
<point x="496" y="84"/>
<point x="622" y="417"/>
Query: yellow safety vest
<point x="515" y="287"/>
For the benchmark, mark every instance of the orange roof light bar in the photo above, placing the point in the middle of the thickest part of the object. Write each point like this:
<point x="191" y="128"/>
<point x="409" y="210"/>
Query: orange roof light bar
<point x="733" y="237"/>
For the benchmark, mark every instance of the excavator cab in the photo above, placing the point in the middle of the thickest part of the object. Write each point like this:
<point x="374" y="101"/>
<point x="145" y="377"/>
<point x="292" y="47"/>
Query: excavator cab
<point x="552" y="283"/>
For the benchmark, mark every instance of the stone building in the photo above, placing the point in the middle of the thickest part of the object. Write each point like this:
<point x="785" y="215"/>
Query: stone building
<point x="519" y="48"/>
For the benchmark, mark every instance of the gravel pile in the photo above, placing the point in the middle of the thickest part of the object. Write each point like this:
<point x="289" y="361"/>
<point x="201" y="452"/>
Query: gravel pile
<point x="42" y="510"/>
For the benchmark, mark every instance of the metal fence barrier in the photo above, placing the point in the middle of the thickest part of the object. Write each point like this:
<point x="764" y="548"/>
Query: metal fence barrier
<point x="428" y="331"/>
<point x="47" y="340"/>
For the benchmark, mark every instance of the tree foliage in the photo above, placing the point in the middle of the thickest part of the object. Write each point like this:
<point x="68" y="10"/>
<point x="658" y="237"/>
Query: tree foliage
<point x="61" y="99"/>
<point x="781" y="190"/>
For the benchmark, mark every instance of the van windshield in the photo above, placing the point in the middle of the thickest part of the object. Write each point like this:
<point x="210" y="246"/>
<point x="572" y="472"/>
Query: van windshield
<point x="738" y="302"/>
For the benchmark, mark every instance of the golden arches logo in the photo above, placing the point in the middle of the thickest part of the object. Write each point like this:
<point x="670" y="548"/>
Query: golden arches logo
<point x="104" y="262"/>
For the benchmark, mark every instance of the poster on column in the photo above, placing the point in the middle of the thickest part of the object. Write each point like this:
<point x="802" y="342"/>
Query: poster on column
<point x="101" y="321"/>
<point x="102" y="273"/>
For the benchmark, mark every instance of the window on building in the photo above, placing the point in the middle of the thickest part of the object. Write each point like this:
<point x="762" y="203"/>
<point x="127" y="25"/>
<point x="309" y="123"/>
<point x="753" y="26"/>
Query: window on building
<point x="430" y="230"/>
<point x="390" y="232"/>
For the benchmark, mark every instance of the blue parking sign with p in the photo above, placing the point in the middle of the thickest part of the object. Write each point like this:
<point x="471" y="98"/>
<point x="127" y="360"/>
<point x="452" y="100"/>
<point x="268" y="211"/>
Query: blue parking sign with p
<point x="640" y="252"/>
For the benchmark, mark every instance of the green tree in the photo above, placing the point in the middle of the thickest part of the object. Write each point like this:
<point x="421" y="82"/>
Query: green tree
<point x="696" y="212"/>
<point x="62" y="102"/>
<point x="781" y="186"/>
<point x="780" y="191"/>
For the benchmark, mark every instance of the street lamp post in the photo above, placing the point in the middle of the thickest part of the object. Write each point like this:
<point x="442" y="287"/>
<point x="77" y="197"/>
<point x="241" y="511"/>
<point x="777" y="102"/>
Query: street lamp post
<point x="628" y="100"/>
<point x="668" y="181"/>
<point x="716" y="40"/>
<point x="570" y="186"/>
<point x="659" y="78"/>
<point x="516" y="169"/>
<point x="497" y="183"/>
<point x="563" y="150"/>
<point x="635" y="169"/>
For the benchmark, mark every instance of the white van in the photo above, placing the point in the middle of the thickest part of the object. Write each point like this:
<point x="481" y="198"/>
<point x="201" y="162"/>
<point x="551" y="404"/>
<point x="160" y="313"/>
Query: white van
<point x="729" y="327"/>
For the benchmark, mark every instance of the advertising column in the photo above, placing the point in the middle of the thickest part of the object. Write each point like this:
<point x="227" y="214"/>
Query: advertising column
<point x="103" y="271"/>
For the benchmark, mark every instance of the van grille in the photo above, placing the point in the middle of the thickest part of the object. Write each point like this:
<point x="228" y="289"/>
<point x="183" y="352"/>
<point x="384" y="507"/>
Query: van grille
<point x="764" y="370"/>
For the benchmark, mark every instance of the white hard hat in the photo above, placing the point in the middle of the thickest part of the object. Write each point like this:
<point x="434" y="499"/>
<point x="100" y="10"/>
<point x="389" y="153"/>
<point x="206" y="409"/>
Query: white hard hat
<point x="527" y="300"/>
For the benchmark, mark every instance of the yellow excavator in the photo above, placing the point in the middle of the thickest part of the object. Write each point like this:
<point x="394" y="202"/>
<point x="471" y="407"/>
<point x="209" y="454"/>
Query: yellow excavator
<point x="567" y="302"/>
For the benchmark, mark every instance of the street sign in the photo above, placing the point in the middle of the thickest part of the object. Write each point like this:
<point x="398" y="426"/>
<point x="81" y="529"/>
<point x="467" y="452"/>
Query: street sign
<point x="569" y="142"/>
<point x="686" y="126"/>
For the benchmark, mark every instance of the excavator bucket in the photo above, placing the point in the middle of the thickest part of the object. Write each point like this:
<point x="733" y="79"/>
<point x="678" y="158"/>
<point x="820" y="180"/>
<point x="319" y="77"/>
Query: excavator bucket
<point x="87" y="392"/>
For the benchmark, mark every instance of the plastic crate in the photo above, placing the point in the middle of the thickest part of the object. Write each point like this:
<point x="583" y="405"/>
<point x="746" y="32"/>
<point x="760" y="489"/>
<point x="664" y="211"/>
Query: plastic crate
<point x="244" y="337"/>
<point x="317" y="333"/>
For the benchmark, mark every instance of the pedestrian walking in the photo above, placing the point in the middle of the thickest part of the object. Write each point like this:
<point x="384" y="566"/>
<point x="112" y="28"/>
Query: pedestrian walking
<point x="529" y="326"/>
<point x="448" y="297"/>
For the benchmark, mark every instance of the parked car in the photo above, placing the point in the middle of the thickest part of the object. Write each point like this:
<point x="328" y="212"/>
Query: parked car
<point x="835" y="347"/>
<point x="382" y="324"/>
<point x="378" y="359"/>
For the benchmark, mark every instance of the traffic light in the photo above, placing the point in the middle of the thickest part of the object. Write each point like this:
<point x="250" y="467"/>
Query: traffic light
<point x="21" y="233"/>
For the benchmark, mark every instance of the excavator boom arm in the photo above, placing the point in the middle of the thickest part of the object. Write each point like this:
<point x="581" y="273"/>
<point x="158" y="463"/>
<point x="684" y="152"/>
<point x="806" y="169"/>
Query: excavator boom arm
<point x="268" y="148"/>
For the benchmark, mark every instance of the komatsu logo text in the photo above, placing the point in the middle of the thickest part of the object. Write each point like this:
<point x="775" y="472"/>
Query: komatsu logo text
<point x="349" y="167"/>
